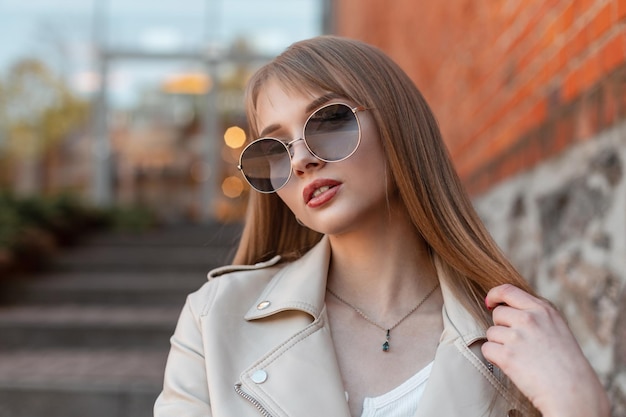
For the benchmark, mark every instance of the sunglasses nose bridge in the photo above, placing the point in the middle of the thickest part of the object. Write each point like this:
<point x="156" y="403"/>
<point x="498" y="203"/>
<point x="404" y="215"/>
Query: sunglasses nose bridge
<point x="303" y="156"/>
<point x="290" y="146"/>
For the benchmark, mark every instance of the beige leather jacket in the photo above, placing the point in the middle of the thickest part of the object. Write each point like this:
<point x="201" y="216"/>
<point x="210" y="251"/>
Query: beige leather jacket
<point x="254" y="341"/>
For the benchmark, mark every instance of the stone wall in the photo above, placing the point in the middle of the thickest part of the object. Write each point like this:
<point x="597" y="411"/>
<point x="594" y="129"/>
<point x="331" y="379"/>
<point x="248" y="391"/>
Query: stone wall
<point x="563" y="224"/>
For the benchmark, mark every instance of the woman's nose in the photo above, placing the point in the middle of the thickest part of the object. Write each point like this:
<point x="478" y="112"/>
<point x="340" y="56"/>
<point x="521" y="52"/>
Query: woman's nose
<point x="302" y="160"/>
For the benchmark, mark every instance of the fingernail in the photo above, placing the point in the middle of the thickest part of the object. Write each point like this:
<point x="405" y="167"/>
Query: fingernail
<point x="487" y="305"/>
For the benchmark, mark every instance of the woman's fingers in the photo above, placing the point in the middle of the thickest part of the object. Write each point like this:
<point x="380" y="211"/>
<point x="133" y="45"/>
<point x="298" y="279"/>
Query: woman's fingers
<point x="533" y="346"/>
<point x="505" y="315"/>
<point x="501" y="335"/>
<point x="512" y="296"/>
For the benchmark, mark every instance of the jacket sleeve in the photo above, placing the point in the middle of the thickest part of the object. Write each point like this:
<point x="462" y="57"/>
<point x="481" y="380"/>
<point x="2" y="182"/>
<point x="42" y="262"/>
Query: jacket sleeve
<point x="185" y="389"/>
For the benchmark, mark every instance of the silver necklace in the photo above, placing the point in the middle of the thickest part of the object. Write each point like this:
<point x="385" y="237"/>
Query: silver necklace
<point x="387" y="330"/>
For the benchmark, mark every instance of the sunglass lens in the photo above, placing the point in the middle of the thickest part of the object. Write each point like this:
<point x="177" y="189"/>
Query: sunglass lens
<point x="332" y="132"/>
<point x="266" y="164"/>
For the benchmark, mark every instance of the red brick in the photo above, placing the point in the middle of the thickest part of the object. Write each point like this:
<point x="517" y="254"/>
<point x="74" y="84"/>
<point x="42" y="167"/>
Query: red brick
<point x="564" y="131"/>
<point x="507" y="167"/>
<point x="561" y="58"/>
<point x="518" y="98"/>
<point x="530" y="28"/>
<point x="540" y="144"/>
<point x="613" y="52"/>
<point x="529" y="58"/>
<point x="600" y="23"/>
<point x="621" y="10"/>
<point x="609" y="105"/>
<point x="583" y="6"/>
<point x="583" y="123"/>
<point x="591" y="71"/>
<point x="553" y="66"/>
<point x="484" y="150"/>
<point x="544" y="41"/>
<point x="571" y="85"/>
<point x="577" y="44"/>
<point x="534" y="152"/>
<point x="538" y="113"/>
<point x="513" y="11"/>
<point x="566" y="19"/>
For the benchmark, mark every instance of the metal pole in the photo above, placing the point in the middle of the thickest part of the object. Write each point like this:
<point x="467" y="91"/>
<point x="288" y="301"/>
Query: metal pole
<point x="101" y="153"/>
<point x="211" y="148"/>
<point x="211" y="154"/>
<point x="328" y="21"/>
<point x="101" y="146"/>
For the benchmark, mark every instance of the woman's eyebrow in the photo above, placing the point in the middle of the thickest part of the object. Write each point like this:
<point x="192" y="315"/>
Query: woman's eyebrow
<point x="320" y="101"/>
<point x="269" y="129"/>
<point x="314" y="105"/>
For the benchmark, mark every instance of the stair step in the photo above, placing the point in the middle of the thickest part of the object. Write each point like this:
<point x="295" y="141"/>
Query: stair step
<point x="60" y="383"/>
<point x="70" y="367"/>
<point x="212" y="235"/>
<point x="142" y="259"/>
<point x="105" y="288"/>
<point x="43" y="327"/>
<point x="76" y="401"/>
<point x="90" y="336"/>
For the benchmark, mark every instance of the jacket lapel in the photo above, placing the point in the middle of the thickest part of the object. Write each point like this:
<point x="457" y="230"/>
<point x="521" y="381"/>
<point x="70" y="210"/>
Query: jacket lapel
<point x="299" y="377"/>
<point x="300" y="285"/>
<point x="460" y="383"/>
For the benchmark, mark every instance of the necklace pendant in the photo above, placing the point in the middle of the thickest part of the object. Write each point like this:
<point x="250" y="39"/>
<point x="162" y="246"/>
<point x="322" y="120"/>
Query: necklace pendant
<point x="386" y="344"/>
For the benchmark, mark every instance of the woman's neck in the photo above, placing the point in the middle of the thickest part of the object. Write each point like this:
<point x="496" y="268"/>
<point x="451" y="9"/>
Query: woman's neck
<point x="384" y="268"/>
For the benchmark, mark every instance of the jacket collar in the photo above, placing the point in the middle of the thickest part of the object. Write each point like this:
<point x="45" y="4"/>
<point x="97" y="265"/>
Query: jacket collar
<point x="458" y="321"/>
<point x="300" y="285"/>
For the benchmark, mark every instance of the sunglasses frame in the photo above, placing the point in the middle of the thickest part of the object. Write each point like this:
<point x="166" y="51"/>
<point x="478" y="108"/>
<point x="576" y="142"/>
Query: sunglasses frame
<point x="289" y="145"/>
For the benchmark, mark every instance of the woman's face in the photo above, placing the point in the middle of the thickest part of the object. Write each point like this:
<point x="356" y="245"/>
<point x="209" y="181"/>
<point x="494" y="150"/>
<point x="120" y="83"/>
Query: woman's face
<point x="328" y="197"/>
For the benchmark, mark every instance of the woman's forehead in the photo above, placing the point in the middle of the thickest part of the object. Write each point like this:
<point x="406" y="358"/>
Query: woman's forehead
<point x="276" y="106"/>
<point x="288" y="88"/>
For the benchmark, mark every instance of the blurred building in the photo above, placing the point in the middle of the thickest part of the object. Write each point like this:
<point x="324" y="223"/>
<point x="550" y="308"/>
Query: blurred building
<point x="531" y="98"/>
<point x="161" y="82"/>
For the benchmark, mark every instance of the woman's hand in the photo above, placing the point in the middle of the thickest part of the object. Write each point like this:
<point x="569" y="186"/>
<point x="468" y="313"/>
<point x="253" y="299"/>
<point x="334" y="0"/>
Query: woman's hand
<point x="531" y="343"/>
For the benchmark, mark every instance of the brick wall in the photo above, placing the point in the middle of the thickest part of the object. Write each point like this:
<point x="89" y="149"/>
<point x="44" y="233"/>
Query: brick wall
<point x="511" y="82"/>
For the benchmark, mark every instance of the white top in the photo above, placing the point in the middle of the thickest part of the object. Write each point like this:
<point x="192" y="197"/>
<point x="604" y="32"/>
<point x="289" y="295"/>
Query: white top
<point x="401" y="401"/>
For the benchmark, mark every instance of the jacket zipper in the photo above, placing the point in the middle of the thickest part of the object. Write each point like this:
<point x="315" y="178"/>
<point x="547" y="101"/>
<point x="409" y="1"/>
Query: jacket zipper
<point x="252" y="400"/>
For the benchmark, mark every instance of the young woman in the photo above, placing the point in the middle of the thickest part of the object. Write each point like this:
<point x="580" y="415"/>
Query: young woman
<point x="364" y="283"/>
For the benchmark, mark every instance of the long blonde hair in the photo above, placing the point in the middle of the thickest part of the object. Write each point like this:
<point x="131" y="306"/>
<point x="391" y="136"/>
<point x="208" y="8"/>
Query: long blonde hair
<point x="416" y="156"/>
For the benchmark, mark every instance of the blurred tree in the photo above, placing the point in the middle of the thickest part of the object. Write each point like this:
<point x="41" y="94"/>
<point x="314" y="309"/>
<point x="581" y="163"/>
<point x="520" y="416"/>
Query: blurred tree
<point x="37" y="111"/>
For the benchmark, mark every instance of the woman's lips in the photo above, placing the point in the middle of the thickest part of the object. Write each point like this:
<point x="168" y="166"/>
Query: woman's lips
<point x="319" y="192"/>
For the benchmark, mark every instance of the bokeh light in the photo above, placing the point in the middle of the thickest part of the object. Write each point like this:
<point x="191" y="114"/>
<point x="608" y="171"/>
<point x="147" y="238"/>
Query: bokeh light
<point x="232" y="187"/>
<point x="235" y="137"/>
<point x="191" y="83"/>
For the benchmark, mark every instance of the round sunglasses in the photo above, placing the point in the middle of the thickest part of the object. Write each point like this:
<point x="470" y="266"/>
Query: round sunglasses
<point x="331" y="133"/>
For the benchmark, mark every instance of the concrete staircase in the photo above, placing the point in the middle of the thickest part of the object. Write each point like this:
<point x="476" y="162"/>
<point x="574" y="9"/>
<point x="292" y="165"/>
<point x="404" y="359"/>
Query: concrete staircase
<point x="90" y="337"/>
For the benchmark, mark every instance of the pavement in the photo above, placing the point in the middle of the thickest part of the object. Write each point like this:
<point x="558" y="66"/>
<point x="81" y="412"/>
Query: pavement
<point x="90" y="336"/>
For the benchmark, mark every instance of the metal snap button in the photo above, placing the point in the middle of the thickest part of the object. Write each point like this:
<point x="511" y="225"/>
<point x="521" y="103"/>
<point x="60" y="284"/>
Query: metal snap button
<point x="259" y="376"/>
<point x="263" y="305"/>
